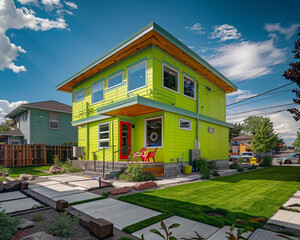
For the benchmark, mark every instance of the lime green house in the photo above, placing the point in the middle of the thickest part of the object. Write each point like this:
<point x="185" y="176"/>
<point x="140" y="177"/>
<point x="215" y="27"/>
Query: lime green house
<point x="150" y="91"/>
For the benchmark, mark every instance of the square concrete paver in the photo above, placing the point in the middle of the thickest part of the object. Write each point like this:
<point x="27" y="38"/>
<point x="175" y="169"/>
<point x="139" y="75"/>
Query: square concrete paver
<point x="42" y="184"/>
<point x="68" y="178"/>
<point x="261" y="234"/>
<point x="297" y="194"/>
<point x="221" y="234"/>
<point x="286" y="218"/>
<point x="186" y="229"/>
<point x="11" y="196"/>
<point x="77" y="197"/>
<point x="18" y="205"/>
<point x="292" y="201"/>
<point x="123" y="184"/>
<point x="87" y="184"/>
<point x="121" y="214"/>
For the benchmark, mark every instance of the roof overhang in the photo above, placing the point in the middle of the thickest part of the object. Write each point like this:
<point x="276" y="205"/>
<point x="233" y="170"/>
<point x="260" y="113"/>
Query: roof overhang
<point x="152" y="34"/>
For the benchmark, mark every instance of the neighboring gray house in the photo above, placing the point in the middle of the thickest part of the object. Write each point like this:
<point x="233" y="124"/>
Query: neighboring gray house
<point x="47" y="122"/>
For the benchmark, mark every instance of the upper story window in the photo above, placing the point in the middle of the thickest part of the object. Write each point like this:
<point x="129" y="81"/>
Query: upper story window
<point x="79" y="96"/>
<point x="188" y="87"/>
<point x="170" y="79"/>
<point x="185" y="124"/>
<point x="136" y="77"/>
<point x="53" y="121"/>
<point x="104" y="134"/>
<point x="98" y="92"/>
<point x="115" y="80"/>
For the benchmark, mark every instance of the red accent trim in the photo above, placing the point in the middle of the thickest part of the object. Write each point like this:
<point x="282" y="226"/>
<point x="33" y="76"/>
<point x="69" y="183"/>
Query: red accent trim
<point x="125" y="157"/>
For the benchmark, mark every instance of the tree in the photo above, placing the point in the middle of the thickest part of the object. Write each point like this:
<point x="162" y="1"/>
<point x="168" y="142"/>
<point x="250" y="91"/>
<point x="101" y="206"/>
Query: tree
<point x="293" y="74"/>
<point x="297" y="141"/>
<point x="264" y="139"/>
<point x="251" y="123"/>
<point x="236" y="130"/>
<point x="4" y="128"/>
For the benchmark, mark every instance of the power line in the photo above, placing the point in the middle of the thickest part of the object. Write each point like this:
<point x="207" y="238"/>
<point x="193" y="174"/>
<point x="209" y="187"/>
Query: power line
<point x="258" y="109"/>
<point x="263" y="93"/>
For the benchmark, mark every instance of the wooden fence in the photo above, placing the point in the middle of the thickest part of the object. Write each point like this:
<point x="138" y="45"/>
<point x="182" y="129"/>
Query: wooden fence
<point x="32" y="154"/>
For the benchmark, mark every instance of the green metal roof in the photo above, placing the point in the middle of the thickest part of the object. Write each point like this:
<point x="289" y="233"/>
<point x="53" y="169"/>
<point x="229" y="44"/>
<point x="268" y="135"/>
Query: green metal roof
<point x="152" y="26"/>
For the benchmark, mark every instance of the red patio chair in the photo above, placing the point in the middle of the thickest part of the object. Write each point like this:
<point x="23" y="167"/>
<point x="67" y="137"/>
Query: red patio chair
<point x="140" y="154"/>
<point x="149" y="155"/>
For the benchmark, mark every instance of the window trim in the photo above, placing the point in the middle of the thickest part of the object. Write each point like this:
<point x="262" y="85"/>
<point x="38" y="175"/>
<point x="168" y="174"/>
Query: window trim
<point x="92" y="92"/>
<point x="80" y="98"/>
<point x="187" y="77"/>
<point x="100" y="124"/>
<point x="121" y="73"/>
<point x="163" y="80"/>
<point x="182" y="119"/>
<point x="162" y="130"/>
<point x="56" y="114"/>
<point x="143" y="62"/>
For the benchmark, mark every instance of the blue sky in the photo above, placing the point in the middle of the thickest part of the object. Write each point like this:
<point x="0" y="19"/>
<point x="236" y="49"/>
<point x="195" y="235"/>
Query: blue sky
<point x="44" y="42"/>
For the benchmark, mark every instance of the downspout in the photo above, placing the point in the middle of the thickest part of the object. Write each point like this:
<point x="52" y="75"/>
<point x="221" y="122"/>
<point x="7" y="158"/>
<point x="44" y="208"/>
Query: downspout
<point x="198" y="145"/>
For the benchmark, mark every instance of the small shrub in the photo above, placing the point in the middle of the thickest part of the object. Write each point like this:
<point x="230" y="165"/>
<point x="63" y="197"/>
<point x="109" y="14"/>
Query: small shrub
<point x="252" y="167"/>
<point x="37" y="217"/>
<point x="214" y="166"/>
<point x="4" y="171"/>
<point x="105" y="194"/>
<point x="135" y="173"/>
<point x="62" y="224"/>
<point x="266" y="161"/>
<point x="233" y="166"/>
<point x="57" y="162"/>
<point x="215" y="174"/>
<point x="240" y="169"/>
<point x="240" y="160"/>
<point x="203" y="167"/>
<point x="8" y="226"/>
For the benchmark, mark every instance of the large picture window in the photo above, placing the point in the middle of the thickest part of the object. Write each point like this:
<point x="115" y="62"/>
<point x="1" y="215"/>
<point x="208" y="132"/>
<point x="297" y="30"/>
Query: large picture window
<point x="98" y="92"/>
<point x="53" y="120"/>
<point x="153" y="132"/>
<point x="170" y="79"/>
<point x="104" y="135"/>
<point x="188" y="87"/>
<point x="115" y="80"/>
<point x="137" y="77"/>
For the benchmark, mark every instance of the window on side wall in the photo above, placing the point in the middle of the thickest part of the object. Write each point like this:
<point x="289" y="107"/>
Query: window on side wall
<point x="98" y="92"/>
<point x="153" y="132"/>
<point x="188" y="87"/>
<point x="170" y="79"/>
<point x="104" y="135"/>
<point x="79" y="96"/>
<point x="53" y="121"/>
<point x="136" y="77"/>
<point x="185" y="124"/>
<point x="115" y="80"/>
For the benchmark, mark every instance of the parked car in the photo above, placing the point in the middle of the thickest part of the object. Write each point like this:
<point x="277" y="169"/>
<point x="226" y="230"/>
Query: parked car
<point x="292" y="158"/>
<point x="245" y="155"/>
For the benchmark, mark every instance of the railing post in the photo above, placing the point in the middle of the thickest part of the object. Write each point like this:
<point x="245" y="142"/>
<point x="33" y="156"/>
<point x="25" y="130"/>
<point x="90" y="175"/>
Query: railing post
<point x="113" y="157"/>
<point x="103" y="166"/>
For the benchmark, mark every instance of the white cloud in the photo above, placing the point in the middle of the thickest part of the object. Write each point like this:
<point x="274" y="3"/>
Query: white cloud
<point x="24" y="2"/>
<point x="196" y="28"/>
<point x="6" y="107"/>
<point x="51" y="3"/>
<point x="71" y="5"/>
<point x="245" y="59"/>
<point x="19" y="18"/>
<point x="288" y="32"/>
<point x="238" y="95"/>
<point x="225" y="32"/>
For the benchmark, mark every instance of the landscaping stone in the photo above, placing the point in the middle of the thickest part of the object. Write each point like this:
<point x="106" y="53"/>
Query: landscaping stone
<point x="25" y="223"/>
<point x="55" y="169"/>
<point x="117" y="191"/>
<point x="25" y="177"/>
<point x="144" y="185"/>
<point x="12" y="186"/>
<point x="40" y="236"/>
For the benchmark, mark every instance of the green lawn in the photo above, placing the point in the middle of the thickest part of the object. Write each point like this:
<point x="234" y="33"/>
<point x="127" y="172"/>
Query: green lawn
<point x="258" y="193"/>
<point x="36" y="171"/>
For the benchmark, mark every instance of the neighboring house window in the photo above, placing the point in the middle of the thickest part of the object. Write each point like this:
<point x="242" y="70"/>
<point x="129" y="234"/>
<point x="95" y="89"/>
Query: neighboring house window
<point x="79" y="96"/>
<point x="136" y="77"/>
<point x="23" y="117"/>
<point x="153" y="132"/>
<point x="185" y="124"/>
<point x="104" y="134"/>
<point x="98" y="92"/>
<point x="170" y="78"/>
<point x="53" y="120"/>
<point x="115" y="80"/>
<point x="15" y="142"/>
<point x="188" y="87"/>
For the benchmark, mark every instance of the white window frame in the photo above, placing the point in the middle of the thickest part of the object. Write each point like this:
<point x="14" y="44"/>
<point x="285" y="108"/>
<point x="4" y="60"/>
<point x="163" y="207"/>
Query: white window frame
<point x="162" y="130"/>
<point x="163" y="79"/>
<point x="49" y="120"/>
<point x="78" y="100"/>
<point x="99" y="140"/>
<point x="144" y="62"/>
<point x="102" y="82"/>
<point x="121" y="73"/>
<point x="185" y="120"/>
<point x="185" y="76"/>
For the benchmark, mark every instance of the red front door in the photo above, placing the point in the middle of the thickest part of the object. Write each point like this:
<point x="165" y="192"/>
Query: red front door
<point x="125" y="139"/>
